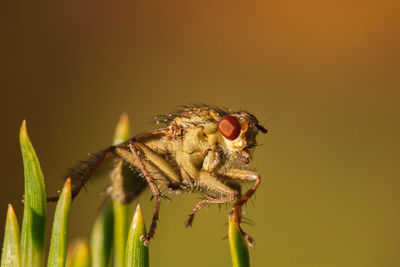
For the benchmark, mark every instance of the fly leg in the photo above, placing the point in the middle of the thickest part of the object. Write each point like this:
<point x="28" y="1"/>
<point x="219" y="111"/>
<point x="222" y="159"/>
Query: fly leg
<point x="154" y="189"/>
<point x="237" y="207"/>
<point x="169" y="172"/>
<point x="88" y="169"/>
<point x="210" y="183"/>
<point x="208" y="200"/>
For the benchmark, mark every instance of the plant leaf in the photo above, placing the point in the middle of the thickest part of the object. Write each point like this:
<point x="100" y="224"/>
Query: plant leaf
<point x="137" y="254"/>
<point x="58" y="245"/>
<point x="34" y="220"/>
<point x="121" y="228"/>
<point x="11" y="254"/>
<point x="239" y="249"/>
<point x="101" y="240"/>
<point x="122" y="131"/>
<point x="121" y="211"/>
<point x="78" y="254"/>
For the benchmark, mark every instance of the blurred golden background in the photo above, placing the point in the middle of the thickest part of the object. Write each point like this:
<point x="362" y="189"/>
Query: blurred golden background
<point x="323" y="76"/>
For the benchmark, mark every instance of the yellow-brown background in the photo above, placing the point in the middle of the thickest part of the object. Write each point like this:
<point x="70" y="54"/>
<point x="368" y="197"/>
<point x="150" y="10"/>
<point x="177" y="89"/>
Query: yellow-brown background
<point x="323" y="74"/>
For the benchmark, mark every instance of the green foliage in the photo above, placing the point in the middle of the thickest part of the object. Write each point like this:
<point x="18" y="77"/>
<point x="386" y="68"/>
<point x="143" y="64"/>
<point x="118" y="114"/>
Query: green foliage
<point x="34" y="221"/>
<point x="122" y="131"/>
<point x="121" y="210"/>
<point x="121" y="227"/>
<point x="137" y="254"/>
<point x="78" y="254"/>
<point x="102" y="237"/>
<point x="58" y="245"/>
<point x="11" y="254"/>
<point x="239" y="249"/>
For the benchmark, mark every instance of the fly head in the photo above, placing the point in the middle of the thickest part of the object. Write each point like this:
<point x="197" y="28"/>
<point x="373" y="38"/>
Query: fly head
<point x="238" y="133"/>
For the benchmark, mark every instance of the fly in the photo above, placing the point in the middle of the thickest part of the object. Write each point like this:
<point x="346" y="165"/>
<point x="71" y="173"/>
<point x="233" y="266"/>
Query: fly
<point x="201" y="148"/>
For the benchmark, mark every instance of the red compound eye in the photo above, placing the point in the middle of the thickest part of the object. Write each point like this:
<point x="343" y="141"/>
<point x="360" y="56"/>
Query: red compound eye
<point x="229" y="127"/>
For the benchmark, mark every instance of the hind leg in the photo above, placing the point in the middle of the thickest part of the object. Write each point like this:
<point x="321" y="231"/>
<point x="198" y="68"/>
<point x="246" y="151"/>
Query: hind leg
<point x="92" y="165"/>
<point x="154" y="189"/>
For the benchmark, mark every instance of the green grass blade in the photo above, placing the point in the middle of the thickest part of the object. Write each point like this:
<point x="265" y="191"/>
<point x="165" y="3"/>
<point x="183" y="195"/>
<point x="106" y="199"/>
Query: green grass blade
<point x="137" y="254"/>
<point x="121" y="211"/>
<point x="121" y="228"/>
<point x="11" y="254"/>
<point x="122" y="131"/>
<point x="239" y="250"/>
<point x="78" y="254"/>
<point x="34" y="221"/>
<point x="58" y="245"/>
<point x="102" y="237"/>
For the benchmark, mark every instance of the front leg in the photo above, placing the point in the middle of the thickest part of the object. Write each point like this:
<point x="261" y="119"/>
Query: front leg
<point x="209" y="183"/>
<point x="237" y="207"/>
<point x="242" y="175"/>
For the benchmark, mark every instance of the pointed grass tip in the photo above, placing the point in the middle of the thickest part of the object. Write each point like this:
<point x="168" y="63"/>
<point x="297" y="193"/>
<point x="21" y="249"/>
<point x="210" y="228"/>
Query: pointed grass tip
<point x="122" y="131"/>
<point x="137" y="252"/>
<point x="23" y="127"/>
<point x="137" y="218"/>
<point x="10" y="208"/>
<point x="68" y="183"/>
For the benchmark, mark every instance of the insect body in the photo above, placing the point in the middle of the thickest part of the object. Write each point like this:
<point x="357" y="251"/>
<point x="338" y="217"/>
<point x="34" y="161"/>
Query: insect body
<point x="201" y="148"/>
